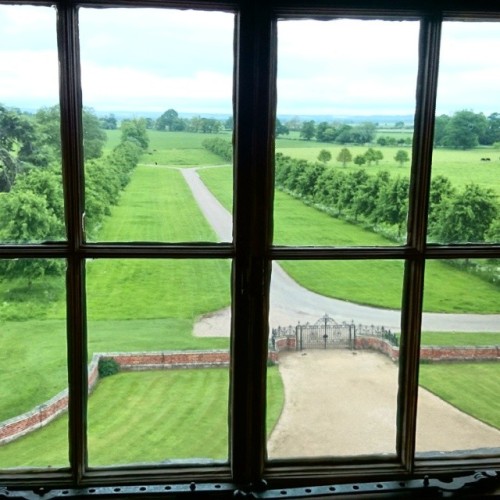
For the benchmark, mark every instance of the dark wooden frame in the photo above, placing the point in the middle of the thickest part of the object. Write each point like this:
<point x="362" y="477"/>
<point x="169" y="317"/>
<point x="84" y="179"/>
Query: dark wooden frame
<point x="252" y="250"/>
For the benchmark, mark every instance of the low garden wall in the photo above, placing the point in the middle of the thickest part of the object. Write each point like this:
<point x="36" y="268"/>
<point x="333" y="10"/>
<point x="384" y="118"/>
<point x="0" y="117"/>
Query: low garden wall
<point x="427" y="353"/>
<point x="44" y="413"/>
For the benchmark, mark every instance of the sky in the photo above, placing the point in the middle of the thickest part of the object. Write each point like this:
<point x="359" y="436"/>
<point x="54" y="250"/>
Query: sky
<point x="145" y="60"/>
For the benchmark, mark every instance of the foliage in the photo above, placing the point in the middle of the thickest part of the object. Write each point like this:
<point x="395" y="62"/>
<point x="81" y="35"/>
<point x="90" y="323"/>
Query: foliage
<point x="48" y="122"/>
<point x="467" y="216"/>
<point x="281" y="129"/>
<point x="324" y="156"/>
<point x="108" y="122"/>
<point x="308" y="130"/>
<point x="466" y="130"/>
<point x="220" y="147"/>
<point x="402" y="157"/>
<point x="107" y="367"/>
<point x="135" y="131"/>
<point x="344" y="156"/>
<point x="392" y="338"/>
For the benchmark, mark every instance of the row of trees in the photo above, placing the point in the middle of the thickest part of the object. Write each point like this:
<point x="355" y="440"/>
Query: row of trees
<point x="171" y="121"/>
<point x="31" y="197"/>
<point x="339" y="133"/>
<point x="381" y="201"/>
<point x="220" y="147"/>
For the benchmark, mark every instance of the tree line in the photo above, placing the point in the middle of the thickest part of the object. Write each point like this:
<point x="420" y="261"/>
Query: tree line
<point x="31" y="187"/>
<point x="380" y="201"/>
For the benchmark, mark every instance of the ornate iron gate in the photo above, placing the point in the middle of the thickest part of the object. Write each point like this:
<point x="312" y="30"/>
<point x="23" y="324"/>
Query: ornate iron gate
<point x="326" y="333"/>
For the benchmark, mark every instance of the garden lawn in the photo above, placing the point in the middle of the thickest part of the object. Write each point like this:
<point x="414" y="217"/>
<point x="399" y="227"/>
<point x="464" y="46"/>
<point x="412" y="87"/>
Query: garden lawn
<point x="471" y="387"/>
<point x="376" y="282"/>
<point x="133" y="304"/>
<point x="460" y="338"/>
<point x="126" y="423"/>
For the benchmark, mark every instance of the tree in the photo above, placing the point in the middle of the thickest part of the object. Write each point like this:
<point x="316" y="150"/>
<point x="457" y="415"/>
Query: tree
<point x="464" y="130"/>
<point x="467" y="216"/>
<point x="308" y="130"/>
<point x="281" y="129"/>
<point x="94" y="137"/>
<point x="135" y="131"/>
<point x="359" y="160"/>
<point x="108" y="122"/>
<point x="370" y="156"/>
<point x="402" y="157"/>
<point x="165" y="121"/>
<point x="378" y="156"/>
<point x="392" y="207"/>
<point x="344" y="156"/>
<point x="324" y="156"/>
<point x="49" y="127"/>
<point x="440" y="194"/>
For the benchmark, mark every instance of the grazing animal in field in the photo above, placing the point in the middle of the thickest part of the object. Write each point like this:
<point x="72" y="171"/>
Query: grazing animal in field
<point x="485" y="159"/>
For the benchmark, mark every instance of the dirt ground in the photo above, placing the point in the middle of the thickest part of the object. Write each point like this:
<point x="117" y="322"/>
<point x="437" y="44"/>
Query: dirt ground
<point x="341" y="403"/>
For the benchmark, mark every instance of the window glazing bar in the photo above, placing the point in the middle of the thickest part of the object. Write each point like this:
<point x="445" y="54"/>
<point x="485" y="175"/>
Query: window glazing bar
<point x="430" y="30"/>
<point x="72" y="161"/>
<point x="253" y="153"/>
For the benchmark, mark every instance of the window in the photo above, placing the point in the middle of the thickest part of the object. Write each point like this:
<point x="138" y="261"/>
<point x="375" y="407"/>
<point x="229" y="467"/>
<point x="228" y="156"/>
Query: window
<point x="300" y="184"/>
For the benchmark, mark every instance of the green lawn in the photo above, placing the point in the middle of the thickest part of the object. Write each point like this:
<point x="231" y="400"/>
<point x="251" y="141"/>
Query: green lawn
<point x="126" y="423"/>
<point x="460" y="338"/>
<point x="133" y="304"/>
<point x="471" y="387"/>
<point x="377" y="283"/>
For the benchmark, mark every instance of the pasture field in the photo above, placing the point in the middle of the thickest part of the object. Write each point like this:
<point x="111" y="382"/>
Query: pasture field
<point x="471" y="387"/>
<point x="461" y="167"/>
<point x="175" y="148"/>
<point x="377" y="283"/>
<point x="127" y="425"/>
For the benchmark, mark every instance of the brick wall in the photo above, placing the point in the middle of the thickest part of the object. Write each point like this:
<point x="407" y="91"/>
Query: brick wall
<point x="428" y="353"/>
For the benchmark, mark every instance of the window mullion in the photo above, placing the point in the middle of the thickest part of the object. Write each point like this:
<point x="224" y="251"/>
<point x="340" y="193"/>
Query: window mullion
<point x="417" y="233"/>
<point x="254" y="150"/>
<point x="72" y="162"/>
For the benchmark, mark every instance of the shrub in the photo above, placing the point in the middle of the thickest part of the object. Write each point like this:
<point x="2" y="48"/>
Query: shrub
<point x="107" y="367"/>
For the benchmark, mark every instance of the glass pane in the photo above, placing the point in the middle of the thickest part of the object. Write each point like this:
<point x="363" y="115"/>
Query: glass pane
<point x="164" y="326"/>
<point x="344" y="131"/>
<point x="157" y="110"/>
<point x="31" y="196"/>
<point x="333" y="368"/>
<point x="465" y="184"/>
<point x="459" y="396"/>
<point x="33" y="370"/>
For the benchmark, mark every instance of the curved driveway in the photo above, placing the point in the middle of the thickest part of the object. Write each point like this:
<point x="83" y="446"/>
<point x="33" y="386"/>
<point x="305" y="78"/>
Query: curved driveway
<point x="291" y="303"/>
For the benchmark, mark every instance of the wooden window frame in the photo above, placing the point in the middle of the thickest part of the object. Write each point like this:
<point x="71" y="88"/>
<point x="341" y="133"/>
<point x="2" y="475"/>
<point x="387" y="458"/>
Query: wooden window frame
<point x="252" y="251"/>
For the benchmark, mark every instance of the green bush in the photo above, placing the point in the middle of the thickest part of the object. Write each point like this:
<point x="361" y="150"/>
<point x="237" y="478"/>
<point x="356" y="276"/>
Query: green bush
<point x="107" y="367"/>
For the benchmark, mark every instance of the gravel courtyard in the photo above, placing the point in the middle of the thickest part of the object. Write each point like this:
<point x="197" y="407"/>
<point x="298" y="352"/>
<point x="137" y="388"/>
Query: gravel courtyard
<point x="339" y="403"/>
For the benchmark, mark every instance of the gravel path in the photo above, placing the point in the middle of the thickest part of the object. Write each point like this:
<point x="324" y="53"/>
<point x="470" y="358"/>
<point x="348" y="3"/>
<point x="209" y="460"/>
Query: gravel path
<point x="356" y="396"/>
<point x="291" y="303"/>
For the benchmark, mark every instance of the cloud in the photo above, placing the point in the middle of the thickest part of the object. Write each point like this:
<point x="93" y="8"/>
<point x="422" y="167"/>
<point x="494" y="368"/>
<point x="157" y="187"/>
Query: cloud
<point x="149" y="59"/>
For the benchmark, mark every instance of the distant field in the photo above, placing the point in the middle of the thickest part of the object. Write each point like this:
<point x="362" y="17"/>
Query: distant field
<point x="461" y="167"/>
<point x="175" y="148"/>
